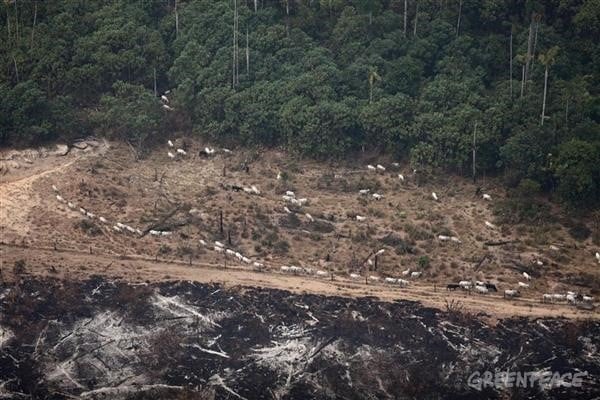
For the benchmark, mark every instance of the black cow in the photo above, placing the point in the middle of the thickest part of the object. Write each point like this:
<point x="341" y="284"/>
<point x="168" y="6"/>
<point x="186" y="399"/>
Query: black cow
<point x="452" y="286"/>
<point x="491" y="287"/>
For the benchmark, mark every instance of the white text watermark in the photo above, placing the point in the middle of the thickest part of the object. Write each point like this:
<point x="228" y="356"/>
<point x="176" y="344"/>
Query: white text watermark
<point x="525" y="379"/>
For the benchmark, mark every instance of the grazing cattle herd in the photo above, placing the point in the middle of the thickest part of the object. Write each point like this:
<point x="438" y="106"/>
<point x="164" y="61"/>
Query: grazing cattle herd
<point x="470" y="286"/>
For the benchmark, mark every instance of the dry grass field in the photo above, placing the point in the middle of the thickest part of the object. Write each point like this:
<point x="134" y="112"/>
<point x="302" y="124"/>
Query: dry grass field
<point x="188" y="195"/>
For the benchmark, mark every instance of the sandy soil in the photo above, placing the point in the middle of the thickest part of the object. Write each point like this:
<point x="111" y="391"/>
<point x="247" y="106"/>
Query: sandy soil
<point x="406" y="222"/>
<point x="80" y="266"/>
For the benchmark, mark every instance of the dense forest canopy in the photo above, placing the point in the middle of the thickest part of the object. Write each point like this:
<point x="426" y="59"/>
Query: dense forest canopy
<point x="418" y="79"/>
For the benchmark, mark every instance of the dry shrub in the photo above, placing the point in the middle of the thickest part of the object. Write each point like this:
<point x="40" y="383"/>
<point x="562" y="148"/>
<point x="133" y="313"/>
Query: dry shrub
<point x="457" y="313"/>
<point x="88" y="226"/>
<point x="417" y="233"/>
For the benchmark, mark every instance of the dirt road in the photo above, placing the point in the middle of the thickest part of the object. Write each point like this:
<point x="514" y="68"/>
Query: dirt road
<point x="78" y="266"/>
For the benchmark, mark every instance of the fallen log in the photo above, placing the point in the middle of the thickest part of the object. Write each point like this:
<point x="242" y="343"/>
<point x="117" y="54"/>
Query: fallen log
<point x="481" y="262"/>
<point x="500" y="243"/>
<point x="523" y="268"/>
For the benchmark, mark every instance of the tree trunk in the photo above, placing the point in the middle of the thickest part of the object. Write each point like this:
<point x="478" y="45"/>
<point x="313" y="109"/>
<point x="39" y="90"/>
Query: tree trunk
<point x="255" y="5"/>
<point x="416" y="19"/>
<point x="237" y="46"/>
<point x="545" y="91"/>
<point x="405" y="15"/>
<point x="247" y="55"/>
<point x="522" y="80"/>
<point x="567" y="115"/>
<point x="287" y="17"/>
<point x="16" y="23"/>
<point x="155" y="91"/>
<point x="176" y="20"/>
<point x="511" y="63"/>
<point x="233" y="60"/>
<point x="8" y="35"/>
<point x="529" y="49"/>
<point x="34" y="22"/>
<point x="16" y="68"/>
<point x="459" y="15"/>
<point x="233" y="56"/>
<point x="474" y="149"/>
<point x="537" y="25"/>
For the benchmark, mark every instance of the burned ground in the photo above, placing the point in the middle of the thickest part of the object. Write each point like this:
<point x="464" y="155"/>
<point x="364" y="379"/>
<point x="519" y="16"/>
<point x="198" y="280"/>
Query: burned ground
<point x="109" y="339"/>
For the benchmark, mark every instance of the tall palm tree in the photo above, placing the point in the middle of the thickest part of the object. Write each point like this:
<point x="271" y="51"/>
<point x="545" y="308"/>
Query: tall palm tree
<point x="547" y="60"/>
<point x="373" y="76"/>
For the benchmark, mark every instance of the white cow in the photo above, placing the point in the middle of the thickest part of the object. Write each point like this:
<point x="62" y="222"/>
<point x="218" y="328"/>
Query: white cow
<point x="435" y="196"/>
<point x="171" y="155"/>
<point x="371" y="168"/>
<point x="487" y="197"/>
<point x="547" y="297"/>
<point x="481" y="289"/>
<point x="309" y="217"/>
<point x="490" y="225"/>
<point x="295" y="270"/>
<point x="360" y="218"/>
<point x="559" y="297"/>
<point x="523" y="285"/>
<point x="364" y="191"/>
<point x="181" y="151"/>
<point x="354" y="276"/>
<point x="443" y="238"/>
<point x="390" y="280"/>
<point x="415" y="274"/>
<point x="527" y="276"/>
<point x="401" y="177"/>
<point x="465" y="285"/>
<point x="377" y="196"/>
<point x="380" y="167"/>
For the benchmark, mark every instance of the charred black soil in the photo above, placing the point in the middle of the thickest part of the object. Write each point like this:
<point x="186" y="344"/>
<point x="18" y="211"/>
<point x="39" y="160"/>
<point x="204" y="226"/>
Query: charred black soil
<point x="103" y="339"/>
